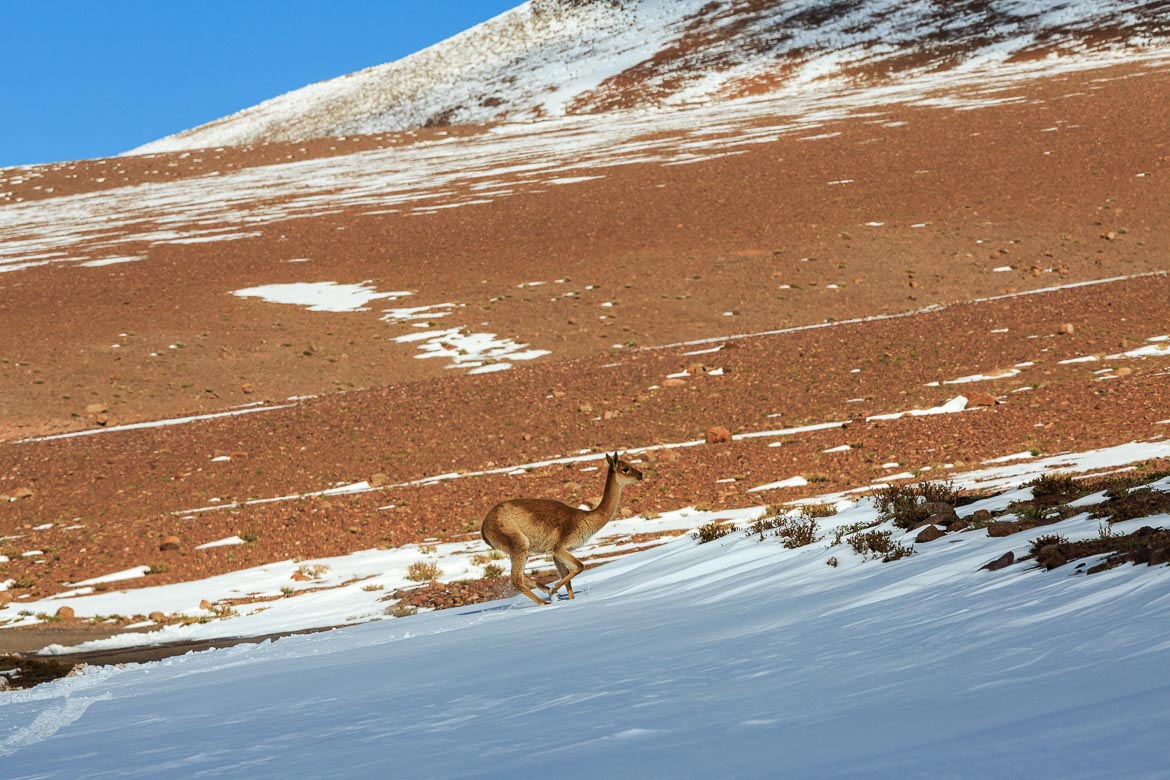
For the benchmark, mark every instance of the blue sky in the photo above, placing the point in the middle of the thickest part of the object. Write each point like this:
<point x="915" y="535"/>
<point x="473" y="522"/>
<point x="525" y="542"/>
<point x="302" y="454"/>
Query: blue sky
<point x="92" y="78"/>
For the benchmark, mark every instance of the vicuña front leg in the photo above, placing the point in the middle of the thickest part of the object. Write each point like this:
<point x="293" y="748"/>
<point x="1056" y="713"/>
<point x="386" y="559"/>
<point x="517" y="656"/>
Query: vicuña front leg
<point x="565" y="563"/>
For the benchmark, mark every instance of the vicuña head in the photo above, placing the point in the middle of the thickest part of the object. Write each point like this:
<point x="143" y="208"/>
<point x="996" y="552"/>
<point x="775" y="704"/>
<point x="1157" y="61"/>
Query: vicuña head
<point x="541" y="525"/>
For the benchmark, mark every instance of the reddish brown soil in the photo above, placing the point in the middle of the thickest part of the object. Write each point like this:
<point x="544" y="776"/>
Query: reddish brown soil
<point x="720" y="236"/>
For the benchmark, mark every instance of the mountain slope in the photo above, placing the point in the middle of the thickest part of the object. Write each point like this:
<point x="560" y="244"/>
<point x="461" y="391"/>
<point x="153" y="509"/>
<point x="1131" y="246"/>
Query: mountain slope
<point x="558" y="57"/>
<point x="738" y="658"/>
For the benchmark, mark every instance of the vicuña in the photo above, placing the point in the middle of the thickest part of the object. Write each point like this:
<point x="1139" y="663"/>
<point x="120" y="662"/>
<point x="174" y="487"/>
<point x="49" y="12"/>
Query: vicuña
<point x="542" y="525"/>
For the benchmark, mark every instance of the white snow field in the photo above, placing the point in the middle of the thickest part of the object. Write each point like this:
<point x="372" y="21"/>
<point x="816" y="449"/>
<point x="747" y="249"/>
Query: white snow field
<point x="736" y="658"/>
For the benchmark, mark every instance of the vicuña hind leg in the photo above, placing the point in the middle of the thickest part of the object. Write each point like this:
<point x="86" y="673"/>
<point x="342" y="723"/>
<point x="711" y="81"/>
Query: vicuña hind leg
<point x="565" y="562"/>
<point x="562" y="570"/>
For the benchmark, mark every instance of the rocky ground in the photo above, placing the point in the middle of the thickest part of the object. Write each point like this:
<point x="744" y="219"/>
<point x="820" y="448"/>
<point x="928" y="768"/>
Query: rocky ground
<point x="1068" y="185"/>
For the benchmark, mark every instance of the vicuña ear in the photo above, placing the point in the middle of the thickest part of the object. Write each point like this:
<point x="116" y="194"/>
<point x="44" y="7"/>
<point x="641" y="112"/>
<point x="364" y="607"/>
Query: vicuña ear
<point x="608" y="459"/>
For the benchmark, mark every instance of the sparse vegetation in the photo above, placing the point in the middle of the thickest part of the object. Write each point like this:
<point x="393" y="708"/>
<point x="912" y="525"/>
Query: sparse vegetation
<point x="796" y="531"/>
<point x="313" y="570"/>
<point x="401" y="610"/>
<point x="1056" y="488"/>
<point x="906" y="505"/>
<point x="1040" y="542"/>
<point x="818" y="510"/>
<point x="423" y="571"/>
<point x="761" y="525"/>
<point x="879" y="544"/>
<point x="482" y="559"/>
<point x="1125" y="504"/>
<point x="843" y="531"/>
<point x="493" y="570"/>
<point x="373" y="587"/>
<point x="716" y="529"/>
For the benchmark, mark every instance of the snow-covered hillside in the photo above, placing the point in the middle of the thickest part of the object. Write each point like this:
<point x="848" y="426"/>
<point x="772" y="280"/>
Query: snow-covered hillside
<point x="736" y="658"/>
<point x="549" y="58"/>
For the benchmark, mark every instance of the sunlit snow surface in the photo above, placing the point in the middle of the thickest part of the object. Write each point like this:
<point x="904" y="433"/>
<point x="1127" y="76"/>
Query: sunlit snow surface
<point x="731" y="659"/>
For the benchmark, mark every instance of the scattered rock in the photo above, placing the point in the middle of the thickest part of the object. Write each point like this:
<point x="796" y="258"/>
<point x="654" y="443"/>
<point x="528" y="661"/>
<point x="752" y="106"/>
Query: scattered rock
<point x="170" y="543"/>
<point x="97" y="408"/>
<point x="696" y="369"/>
<point x="980" y="398"/>
<point x="65" y="613"/>
<point x="378" y="480"/>
<point x="717" y="434"/>
<point x="625" y="512"/>
<point x="674" y="381"/>
<point x="1123" y="371"/>
<point x="929" y="534"/>
<point x="300" y="576"/>
<point x="1066" y="329"/>
<point x="205" y="604"/>
<point x="247" y="389"/>
<point x="4" y="684"/>
<point x="941" y="513"/>
<point x="666" y="456"/>
<point x="157" y="617"/>
<point x="981" y="516"/>
<point x="610" y="414"/>
<point x="585" y="408"/>
<point x="1003" y="529"/>
<point x="958" y="525"/>
<point x="19" y="493"/>
<point x="1002" y="562"/>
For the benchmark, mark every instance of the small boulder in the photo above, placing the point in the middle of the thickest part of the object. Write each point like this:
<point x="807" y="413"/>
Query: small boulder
<point x="980" y="398"/>
<point x="19" y="493"/>
<point x="1066" y="329"/>
<point x="1002" y="562"/>
<point x="981" y="516"/>
<point x="205" y="604"/>
<point x="929" y="534"/>
<point x="1123" y="371"/>
<point x="1003" y="529"/>
<point x="300" y="576"/>
<point x="697" y="369"/>
<point x="958" y="525"/>
<point x="717" y="434"/>
<point x="378" y="480"/>
<point x="157" y="617"/>
<point x="64" y="613"/>
<point x="940" y="513"/>
<point x="169" y="543"/>
<point x="674" y="381"/>
<point x="247" y="389"/>
<point x="585" y="408"/>
<point x="97" y="408"/>
<point x="667" y="455"/>
<point x="1050" y="556"/>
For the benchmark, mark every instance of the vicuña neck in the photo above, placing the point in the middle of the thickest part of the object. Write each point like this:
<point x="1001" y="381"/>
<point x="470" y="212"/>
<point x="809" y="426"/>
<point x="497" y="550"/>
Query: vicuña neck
<point x="608" y="507"/>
